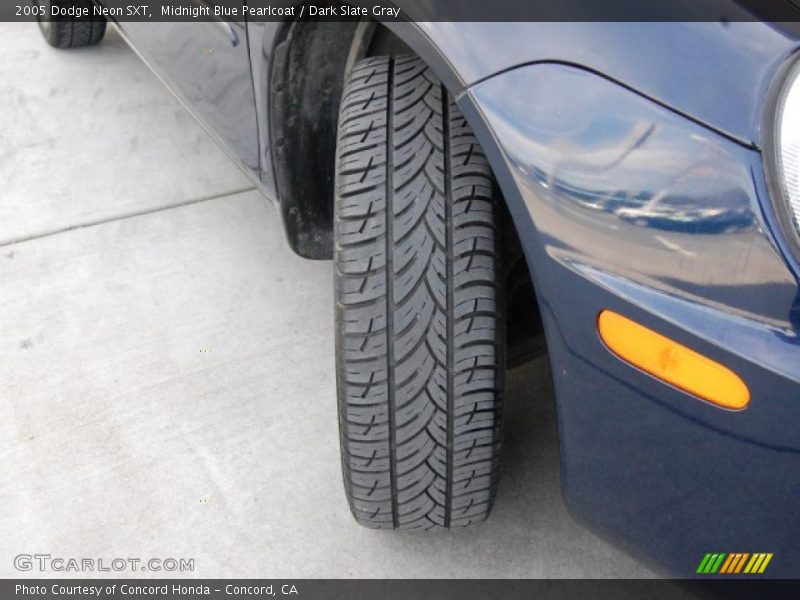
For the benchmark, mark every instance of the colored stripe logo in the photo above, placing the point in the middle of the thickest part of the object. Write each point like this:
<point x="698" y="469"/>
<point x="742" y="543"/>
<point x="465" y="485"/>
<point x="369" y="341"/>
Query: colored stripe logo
<point x="733" y="563"/>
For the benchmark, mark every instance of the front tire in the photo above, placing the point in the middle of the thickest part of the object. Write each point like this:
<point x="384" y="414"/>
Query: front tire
<point x="69" y="31"/>
<point x="419" y="303"/>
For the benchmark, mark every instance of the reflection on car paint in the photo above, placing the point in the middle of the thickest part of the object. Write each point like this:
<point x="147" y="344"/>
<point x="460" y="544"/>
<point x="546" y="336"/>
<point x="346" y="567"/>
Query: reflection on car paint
<point x="625" y="205"/>
<point x="623" y="185"/>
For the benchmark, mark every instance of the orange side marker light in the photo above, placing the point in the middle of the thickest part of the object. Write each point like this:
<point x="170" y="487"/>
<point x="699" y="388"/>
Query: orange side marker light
<point x="672" y="362"/>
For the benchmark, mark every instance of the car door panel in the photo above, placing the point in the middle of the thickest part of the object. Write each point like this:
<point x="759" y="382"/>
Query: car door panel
<point x="207" y="65"/>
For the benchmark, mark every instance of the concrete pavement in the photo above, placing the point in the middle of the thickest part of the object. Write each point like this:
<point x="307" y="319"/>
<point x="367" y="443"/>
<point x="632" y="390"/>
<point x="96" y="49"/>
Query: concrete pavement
<point x="167" y="383"/>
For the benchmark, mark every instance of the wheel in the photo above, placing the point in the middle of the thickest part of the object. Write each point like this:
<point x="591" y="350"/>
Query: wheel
<point x="69" y="31"/>
<point x="419" y="303"/>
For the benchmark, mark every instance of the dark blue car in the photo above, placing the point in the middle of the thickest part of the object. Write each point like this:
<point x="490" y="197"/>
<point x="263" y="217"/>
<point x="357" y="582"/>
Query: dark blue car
<point x="628" y="193"/>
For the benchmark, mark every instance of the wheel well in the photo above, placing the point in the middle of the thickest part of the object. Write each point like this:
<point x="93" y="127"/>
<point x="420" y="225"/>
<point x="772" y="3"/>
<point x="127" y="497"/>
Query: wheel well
<point x="308" y="72"/>
<point x="306" y="82"/>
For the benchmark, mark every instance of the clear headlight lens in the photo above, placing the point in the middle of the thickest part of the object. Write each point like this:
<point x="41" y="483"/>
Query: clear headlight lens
<point x="789" y="146"/>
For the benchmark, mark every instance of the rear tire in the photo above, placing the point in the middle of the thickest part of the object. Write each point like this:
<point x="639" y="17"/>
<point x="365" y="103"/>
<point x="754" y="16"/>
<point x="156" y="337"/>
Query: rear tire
<point x="71" y="32"/>
<point x="419" y="303"/>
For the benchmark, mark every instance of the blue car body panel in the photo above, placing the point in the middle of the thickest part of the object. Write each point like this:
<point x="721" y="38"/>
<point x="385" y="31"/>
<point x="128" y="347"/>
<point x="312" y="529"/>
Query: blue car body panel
<point x="630" y="158"/>
<point x="667" y="473"/>
<point x="208" y="69"/>
<point x="717" y="73"/>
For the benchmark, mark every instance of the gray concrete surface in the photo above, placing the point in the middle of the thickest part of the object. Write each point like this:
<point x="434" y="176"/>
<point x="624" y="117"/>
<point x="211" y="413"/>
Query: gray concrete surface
<point x="166" y="382"/>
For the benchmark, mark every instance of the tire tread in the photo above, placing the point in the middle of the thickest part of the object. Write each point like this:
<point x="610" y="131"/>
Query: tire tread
<point x="419" y="304"/>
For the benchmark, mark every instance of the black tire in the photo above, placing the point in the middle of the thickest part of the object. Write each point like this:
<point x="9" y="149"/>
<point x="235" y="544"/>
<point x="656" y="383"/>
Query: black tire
<point x="71" y="32"/>
<point x="416" y="234"/>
